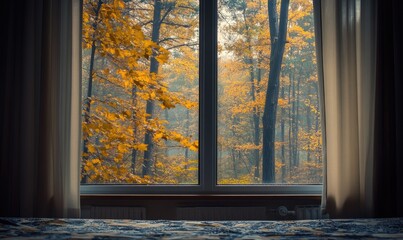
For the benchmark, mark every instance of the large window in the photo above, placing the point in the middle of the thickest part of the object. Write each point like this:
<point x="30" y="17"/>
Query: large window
<point x="200" y="97"/>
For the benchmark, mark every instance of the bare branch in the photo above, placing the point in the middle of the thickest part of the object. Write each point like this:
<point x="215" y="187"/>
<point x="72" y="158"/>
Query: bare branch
<point x="176" y="24"/>
<point x="172" y="39"/>
<point x="166" y="14"/>
<point x="183" y="45"/>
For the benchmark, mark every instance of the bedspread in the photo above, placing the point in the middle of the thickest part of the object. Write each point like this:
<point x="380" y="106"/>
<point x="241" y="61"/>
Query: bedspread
<point x="30" y="228"/>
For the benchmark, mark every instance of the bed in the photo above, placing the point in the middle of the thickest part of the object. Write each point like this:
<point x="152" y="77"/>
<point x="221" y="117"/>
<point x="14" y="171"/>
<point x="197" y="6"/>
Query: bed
<point x="44" y="228"/>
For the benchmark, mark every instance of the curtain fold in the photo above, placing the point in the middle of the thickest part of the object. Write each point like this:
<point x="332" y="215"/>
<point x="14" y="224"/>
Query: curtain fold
<point x="348" y="47"/>
<point x="40" y="109"/>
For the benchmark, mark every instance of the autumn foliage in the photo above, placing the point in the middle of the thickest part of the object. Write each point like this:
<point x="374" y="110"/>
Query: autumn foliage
<point x="127" y="68"/>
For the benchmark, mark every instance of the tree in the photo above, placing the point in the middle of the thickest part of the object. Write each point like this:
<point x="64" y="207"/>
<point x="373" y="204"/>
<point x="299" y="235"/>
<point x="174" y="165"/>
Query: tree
<point x="92" y="42"/>
<point x="123" y="83"/>
<point x="141" y="113"/>
<point x="278" y="33"/>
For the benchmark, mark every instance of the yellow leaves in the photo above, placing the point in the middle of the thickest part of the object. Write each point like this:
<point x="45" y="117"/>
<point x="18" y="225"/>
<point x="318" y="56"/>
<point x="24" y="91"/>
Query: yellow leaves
<point x="247" y="147"/>
<point x="96" y="161"/>
<point x="278" y="166"/>
<point x="159" y="135"/>
<point x="243" y="179"/>
<point x="282" y="102"/>
<point x="118" y="158"/>
<point x="278" y="144"/>
<point x="118" y="119"/>
<point x="86" y="17"/>
<point x="118" y="4"/>
<point x="91" y="148"/>
<point x="167" y="104"/>
<point x="177" y="137"/>
<point x="127" y="113"/>
<point x="141" y="147"/>
<point x="87" y="45"/>
<point x="190" y="104"/>
<point x="163" y="55"/>
<point x="122" y="148"/>
<point x="194" y="146"/>
<point x="106" y="71"/>
<point x="110" y="116"/>
<point x="122" y="73"/>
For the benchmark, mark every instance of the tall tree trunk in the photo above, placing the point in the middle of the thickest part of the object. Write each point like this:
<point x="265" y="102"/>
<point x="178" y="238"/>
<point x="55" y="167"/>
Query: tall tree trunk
<point x="256" y="120"/>
<point x="282" y="138"/>
<point x="87" y="109"/>
<point x="187" y="134"/>
<point x="293" y="122"/>
<point x="166" y="116"/>
<point x="134" y="151"/>
<point x="278" y="38"/>
<point x="234" y="151"/>
<point x="234" y="167"/>
<point x="296" y="163"/>
<point x="318" y="155"/>
<point x="255" y="117"/>
<point x="290" y="142"/>
<point x="148" y="158"/>
<point x="253" y="93"/>
<point x="308" y="127"/>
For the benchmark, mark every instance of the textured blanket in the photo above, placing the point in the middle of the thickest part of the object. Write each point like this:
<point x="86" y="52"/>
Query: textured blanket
<point x="24" y="228"/>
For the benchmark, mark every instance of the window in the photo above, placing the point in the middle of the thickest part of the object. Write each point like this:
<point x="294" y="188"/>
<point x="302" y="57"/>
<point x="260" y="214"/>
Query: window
<point x="179" y="97"/>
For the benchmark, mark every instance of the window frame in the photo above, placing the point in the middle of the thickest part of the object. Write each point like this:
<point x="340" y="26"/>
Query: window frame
<point x="208" y="26"/>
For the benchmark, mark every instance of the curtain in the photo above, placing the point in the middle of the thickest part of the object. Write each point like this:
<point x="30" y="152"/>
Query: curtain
<point x="362" y="85"/>
<point x="40" y="108"/>
<point x="388" y="165"/>
<point x="348" y="47"/>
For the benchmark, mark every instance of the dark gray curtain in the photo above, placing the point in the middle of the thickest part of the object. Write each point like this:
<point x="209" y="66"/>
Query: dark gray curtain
<point x="388" y="158"/>
<point x="37" y="166"/>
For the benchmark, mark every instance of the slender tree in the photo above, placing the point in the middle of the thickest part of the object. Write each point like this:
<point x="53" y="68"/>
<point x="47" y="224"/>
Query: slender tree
<point x="278" y="33"/>
<point x="87" y="102"/>
<point x="154" y="65"/>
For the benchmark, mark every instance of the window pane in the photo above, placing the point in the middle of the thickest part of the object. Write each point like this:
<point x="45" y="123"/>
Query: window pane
<point x="249" y="107"/>
<point x="140" y="92"/>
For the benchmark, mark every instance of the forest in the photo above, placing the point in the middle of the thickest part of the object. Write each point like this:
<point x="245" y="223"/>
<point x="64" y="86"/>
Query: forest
<point x="140" y="92"/>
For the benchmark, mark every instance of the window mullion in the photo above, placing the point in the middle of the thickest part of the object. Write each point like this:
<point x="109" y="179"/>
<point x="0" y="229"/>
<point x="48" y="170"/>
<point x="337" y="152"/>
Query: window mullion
<point x="208" y="94"/>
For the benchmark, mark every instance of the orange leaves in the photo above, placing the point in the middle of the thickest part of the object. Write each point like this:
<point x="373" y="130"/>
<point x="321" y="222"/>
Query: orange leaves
<point x="162" y="56"/>
<point x="123" y="148"/>
<point x="311" y="141"/>
<point x="194" y="146"/>
<point x="140" y="147"/>
<point x="96" y="161"/>
<point x="159" y="135"/>
<point x="243" y="179"/>
<point x="122" y="84"/>
<point x="190" y="104"/>
<point x="282" y="102"/>
<point x="118" y="4"/>
<point x="278" y="166"/>
<point x="91" y="148"/>
<point x="248" y="146"/>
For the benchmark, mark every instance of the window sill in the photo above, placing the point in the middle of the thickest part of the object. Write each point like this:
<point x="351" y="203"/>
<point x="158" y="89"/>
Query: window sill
<point x="282" y="190"/>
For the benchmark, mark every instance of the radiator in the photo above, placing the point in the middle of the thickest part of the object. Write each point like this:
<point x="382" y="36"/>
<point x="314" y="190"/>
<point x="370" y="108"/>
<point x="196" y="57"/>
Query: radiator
<point x="103" y="212"/>
<point x="308" y="212"/>
<point x="304" y="212"/>
<point x="221" y="213"/>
